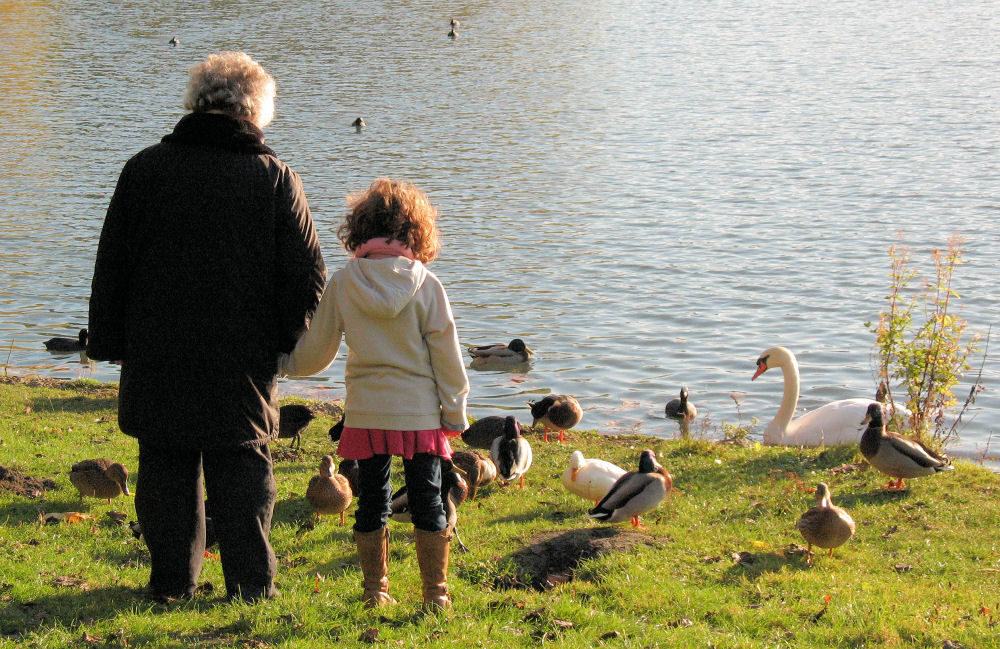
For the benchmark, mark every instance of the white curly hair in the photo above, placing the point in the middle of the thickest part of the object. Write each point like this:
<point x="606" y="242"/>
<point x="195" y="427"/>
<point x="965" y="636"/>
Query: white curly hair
<point x="231" y="83"/>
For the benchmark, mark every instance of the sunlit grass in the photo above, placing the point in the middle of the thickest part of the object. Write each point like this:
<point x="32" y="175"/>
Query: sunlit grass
<point x="718" y="565"/>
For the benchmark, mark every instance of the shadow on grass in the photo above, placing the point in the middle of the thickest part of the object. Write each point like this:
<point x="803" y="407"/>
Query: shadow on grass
<point x="753" y="565"/>
<point x="73" y="404"/>
<point x="877" y="497"/>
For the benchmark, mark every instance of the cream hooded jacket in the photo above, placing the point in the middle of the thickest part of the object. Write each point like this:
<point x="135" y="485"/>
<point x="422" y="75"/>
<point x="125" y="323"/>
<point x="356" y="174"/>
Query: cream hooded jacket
<point x="404" y="365"/>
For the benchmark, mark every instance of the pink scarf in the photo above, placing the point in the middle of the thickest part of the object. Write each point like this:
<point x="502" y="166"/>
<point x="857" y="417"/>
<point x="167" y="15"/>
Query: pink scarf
<point x="381" y="248"/>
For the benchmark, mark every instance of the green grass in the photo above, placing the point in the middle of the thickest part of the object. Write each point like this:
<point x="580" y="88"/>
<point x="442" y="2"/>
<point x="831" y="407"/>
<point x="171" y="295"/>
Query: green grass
<point x="921" y="570"/>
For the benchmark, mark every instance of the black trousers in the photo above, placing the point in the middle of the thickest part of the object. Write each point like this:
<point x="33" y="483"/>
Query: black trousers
<point x="423" y="488"/>
<point x="170" y="505"/>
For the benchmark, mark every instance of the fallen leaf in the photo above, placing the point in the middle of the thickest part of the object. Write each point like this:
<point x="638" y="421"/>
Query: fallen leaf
<point x="562" y="624"/>
<point x="369" y="635"/>
<point x="90" y="639"/>
<point x="610" y="635"/>
<point x="118" y="517"/>
<point x="826" y="599"/>
<point x="60" y="517"/>
<point x="902" y="567"/>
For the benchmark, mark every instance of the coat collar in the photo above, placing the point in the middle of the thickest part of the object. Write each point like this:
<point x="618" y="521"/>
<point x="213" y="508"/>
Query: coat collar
<point x="219" y="131"/>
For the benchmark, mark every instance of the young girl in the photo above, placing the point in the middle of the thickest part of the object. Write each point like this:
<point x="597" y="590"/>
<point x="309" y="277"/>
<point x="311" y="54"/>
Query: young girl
<point x="406" y="381"/>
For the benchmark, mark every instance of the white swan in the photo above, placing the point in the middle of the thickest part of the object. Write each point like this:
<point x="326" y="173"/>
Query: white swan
<point x="829" y="425"/>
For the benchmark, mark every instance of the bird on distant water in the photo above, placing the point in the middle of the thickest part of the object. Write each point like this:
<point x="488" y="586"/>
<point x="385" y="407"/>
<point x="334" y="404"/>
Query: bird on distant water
<point x="511" y="453"/>
<point x="556" y="412"/>
<point x="512" y="353"/>
<point x="635" y="493"/>
<point x="329" y="493"/>
<point x="77" y="344"/>
<point x="293" y="419"/>
<point x="174" y="41"/>
<point x="453" y="34"/>
<point x="825" y="524"/>
<point x="100" y="478"/>
<point x="894" y="455"/>
<point x="681" y="408"/>
<point x="455" y="23"/>
<point x="358" y="124"/>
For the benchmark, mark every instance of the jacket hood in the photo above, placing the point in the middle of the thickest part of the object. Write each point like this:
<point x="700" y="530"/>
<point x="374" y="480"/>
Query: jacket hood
<point x="383" y="287"/>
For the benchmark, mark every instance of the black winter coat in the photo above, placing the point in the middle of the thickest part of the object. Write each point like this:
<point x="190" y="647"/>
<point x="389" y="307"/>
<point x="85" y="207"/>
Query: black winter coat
<point x="208" y="266"/>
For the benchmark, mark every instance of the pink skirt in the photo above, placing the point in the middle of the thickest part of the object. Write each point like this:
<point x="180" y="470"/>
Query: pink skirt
<point x="363" y="443"/>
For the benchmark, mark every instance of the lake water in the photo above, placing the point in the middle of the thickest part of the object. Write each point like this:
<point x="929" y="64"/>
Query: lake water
<point x="649" y="193"/>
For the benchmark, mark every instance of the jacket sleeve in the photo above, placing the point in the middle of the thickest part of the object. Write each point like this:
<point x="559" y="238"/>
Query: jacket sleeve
<point x="441" y="337"/>
<point x="300" y="271"/>
<point x="109" y="288"/>
<point x="318" y="347"/>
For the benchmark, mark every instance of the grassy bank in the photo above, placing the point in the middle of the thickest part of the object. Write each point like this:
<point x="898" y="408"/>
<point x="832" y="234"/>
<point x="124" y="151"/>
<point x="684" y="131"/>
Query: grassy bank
<point x="719" y="565"/>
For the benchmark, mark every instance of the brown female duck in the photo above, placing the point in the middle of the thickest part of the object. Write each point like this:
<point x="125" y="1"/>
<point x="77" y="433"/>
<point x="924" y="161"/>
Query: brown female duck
<point x="825" y="525"/>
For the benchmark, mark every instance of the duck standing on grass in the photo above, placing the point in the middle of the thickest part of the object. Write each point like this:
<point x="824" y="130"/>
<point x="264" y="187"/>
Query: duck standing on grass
<point x="482" y="432"/>
<point x="681" y="408"/>
<point x="635" y="493"/>
<point x="511" y="453"/>
<point x="454" y="490"/>
<point x="556" y="412"/>
<point x="825" y="525"/>
<point x="590" y="479"/>
<point x="329" y="493"/>
<point x="894" y="455"/>
<point x="100" y="478"/>
<point x="293" y="419"/>
<point x="479" y="469"/>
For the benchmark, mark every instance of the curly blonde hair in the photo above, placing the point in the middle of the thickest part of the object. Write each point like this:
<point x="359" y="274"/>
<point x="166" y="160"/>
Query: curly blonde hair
<point x="394" y="210"/>
<point x="232" y="83"/>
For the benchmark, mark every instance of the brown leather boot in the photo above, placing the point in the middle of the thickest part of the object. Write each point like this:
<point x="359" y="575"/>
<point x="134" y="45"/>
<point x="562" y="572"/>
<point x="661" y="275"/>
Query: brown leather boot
<point x="373" y="555"/>
<point x="432" y="557"/>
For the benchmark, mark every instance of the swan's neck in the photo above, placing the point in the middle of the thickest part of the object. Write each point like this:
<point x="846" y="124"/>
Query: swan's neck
<point x="779" y="427"/>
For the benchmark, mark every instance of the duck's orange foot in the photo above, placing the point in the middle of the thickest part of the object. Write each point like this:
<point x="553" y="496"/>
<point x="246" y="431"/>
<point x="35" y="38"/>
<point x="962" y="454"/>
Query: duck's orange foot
<point x="545" y="436"/>
<point x="636" y="525"/>
<point x="562" y="438"/>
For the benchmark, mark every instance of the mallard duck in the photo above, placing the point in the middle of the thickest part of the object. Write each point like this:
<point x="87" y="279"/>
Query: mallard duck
<point x="511" y="453"/>
<point x="482" y="432"/>
<point x="636" y="492"/>
<point x="100" y="478"/>
<point x="454" y="490"/>
<point x="825" y="524"/>
<point x="590" y="479"/>
<point x="681" y="408"/>
<point x="293" y="419"/>
<point x="894" y="455"/>
<point x="556" y="412"/>
<point x="479" y="469"/>
<point x="77" y="344"/>
<point x="329" y="493"/>
<point x="515" y="351"/>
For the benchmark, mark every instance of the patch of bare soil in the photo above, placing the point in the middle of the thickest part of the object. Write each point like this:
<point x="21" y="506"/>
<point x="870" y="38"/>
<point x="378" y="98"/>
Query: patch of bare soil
<point x="23" y="485"/>
<point x="550" y="557"/>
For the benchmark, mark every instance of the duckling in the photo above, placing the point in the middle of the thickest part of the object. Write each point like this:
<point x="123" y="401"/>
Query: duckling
<point x="77" y="344"/>
<point x="327" y="492"/>
<point x="636" y="492"/>
<point x="482" y="432"/>
<point x="293" y="419"/>
<point x="681" y="408"/>
<point x="479" y="469"/>
<point x="358" y="124"/>
<point x="100" y="478"/>
<point x="454" y="490"/>
<point x="511" y="453"/>
<point x="894" y="455"/>
<point x="556" y="411"/>
<point x="590" y="479"/>
<point x="514" y="352"/>
<point x="825" y="524"/>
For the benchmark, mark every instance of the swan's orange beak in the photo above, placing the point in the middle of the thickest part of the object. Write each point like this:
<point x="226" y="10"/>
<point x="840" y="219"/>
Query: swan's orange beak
<point x="573" y="473"/>
<point x="761" y="368"/>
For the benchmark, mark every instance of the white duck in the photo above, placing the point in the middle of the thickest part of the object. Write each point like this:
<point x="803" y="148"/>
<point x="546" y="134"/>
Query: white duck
<point x="589" y="478"/>
<point x="829" y="425"/>
<point x="636" y="492"/>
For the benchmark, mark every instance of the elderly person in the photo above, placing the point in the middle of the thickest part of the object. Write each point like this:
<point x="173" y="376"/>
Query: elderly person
<point x="207" y="269"/>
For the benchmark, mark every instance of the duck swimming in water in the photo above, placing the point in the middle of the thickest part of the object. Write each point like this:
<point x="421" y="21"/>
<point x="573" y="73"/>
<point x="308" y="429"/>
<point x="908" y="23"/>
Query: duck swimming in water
<point x="77" y="344"/>
<point x="681" y="408"/>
